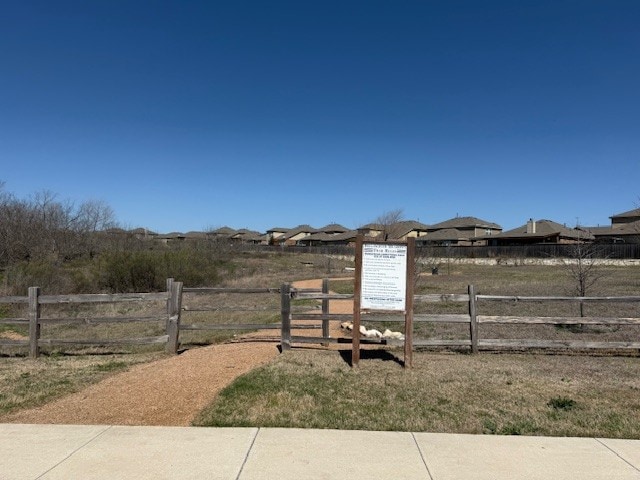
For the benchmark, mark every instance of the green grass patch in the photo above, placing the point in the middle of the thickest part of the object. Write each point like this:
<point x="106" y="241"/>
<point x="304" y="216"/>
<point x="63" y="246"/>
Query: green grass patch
<point x="562" y="403"/>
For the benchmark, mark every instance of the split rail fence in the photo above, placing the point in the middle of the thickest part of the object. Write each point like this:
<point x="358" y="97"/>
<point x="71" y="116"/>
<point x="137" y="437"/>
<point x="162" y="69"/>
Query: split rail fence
<point x="472" y="320"/>
<point x="307" y="309"/>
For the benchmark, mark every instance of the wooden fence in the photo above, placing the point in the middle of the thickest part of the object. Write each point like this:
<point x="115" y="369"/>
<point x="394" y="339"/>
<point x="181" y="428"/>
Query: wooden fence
<point x="181" y="326"/>
<point x="35" y="300"/>
<point x="295" y="312"/>
<point x="306" y="318"/>
<point x="473" y="321"/>
<point x="172" y="320"/>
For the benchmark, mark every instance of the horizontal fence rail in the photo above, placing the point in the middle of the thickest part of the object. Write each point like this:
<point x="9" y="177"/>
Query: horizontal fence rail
<point x="295" y="312"/>
<point x="473" y="320"/>
<point x="34" y="319"/>
<point x="213" y="291"/>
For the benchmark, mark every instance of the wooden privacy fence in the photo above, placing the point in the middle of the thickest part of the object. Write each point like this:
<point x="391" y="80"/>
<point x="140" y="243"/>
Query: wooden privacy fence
<point x="471" y="319"/>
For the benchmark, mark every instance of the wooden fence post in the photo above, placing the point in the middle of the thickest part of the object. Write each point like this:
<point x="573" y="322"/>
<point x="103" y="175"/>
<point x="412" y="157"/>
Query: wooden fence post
<point x="325" y="310"/>
<point x="473" y="326"/>
<point x="34" y="321"/>
<point x="173" y="330"/>
<point x="408" y="316"/>
<point x="169" y="298"/>
<point x="285" y="309"/>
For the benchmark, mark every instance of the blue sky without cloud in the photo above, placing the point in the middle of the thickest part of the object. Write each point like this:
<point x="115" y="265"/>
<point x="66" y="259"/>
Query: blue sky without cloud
<point x="185" y="115"/>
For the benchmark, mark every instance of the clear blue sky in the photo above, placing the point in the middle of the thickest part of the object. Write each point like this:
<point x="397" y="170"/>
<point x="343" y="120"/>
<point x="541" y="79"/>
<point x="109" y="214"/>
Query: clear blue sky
<point x="185" y="115"/>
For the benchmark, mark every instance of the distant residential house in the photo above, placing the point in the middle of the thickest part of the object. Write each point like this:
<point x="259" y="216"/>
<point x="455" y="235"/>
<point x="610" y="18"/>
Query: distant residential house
<point x="222" y="233"/>
<point x="194" y="235"/>
<point x="256" y="238"/>
<point x="276" y="234"/>
<point x="540" y="231"/>
<point x="291" y="237"/>
<point x="333" y="228"/>
<point x="143" y="233"/>
<point x="625" y="228"/>
<point x="398" y="231"/>
<point x="371" y="230"/>
<point x="329" y="234"/>
<point x="242" y="235"/>
<point x="344" y="238"/>
<point x="460" y="231"/>
<point x="626" y="218"/>
<point x="172" y="237"/>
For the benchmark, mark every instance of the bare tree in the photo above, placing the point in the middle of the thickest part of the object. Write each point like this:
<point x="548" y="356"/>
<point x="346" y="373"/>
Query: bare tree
<point x="42" y="227"/>
<point x="584" y="268"/>
<point x="387" y="220"/>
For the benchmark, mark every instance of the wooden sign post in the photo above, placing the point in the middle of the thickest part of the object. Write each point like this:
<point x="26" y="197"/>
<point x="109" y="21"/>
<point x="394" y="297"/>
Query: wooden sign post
<point x="384" y="283"/>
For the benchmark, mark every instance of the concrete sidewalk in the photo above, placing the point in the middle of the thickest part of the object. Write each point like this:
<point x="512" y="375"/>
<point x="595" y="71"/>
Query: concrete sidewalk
<point x="116" y="452"/>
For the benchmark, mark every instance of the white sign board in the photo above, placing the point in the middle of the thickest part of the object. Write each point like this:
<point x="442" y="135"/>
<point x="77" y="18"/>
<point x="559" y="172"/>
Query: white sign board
<point x="384" y="277"/>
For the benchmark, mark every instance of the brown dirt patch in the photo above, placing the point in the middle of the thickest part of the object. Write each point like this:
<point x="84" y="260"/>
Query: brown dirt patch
<point x="170" y="391"/>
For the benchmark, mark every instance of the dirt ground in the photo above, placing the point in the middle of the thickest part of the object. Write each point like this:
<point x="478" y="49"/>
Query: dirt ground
<point x="171" y="391"/>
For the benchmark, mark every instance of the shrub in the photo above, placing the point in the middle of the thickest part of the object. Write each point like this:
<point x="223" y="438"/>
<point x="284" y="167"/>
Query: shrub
<point x="146" y="271"/>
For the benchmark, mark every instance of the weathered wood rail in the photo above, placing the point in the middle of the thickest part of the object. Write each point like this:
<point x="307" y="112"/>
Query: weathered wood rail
<point x="172" y="319"/>
<point x="295" y="312"/>
<point x="34" y="319"/>
<point x="474" y="342"/>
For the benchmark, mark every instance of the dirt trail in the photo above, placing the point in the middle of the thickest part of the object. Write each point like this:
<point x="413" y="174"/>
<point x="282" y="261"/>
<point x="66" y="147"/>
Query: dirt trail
<point x="171" y="391"/>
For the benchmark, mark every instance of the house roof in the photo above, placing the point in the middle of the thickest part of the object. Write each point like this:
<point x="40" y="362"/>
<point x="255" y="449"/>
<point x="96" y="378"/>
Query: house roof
<point x="318" y="237"/>
<point x="544" y="228"/>
<point x="599" y="230"/>
<point x="464" y="222"/>
<point x="278" y="229"/>
<point x="631" y="228"/>
<point x="635" y="213"/>
<point x="255" y="237"/>
<point x="400" y="229"/>
<point x="245" y="235"/>
<point x="223" y="231"/>
<point x="333" y="227"/>
<point x="397" y="229"/>
<point x="444" y="234"/>
<point x="194" y="234"/>
<point x="299" y="229"/>
<point x="339" y="237"/>
<point x="372" y="226"/>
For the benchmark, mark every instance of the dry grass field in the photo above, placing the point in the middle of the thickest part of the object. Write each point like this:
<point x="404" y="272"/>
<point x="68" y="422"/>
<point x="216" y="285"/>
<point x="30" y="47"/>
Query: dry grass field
<point x="507" y="394"/>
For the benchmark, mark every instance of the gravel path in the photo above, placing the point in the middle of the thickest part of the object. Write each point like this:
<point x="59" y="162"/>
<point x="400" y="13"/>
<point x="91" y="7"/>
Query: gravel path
<point x="171" y="391"/>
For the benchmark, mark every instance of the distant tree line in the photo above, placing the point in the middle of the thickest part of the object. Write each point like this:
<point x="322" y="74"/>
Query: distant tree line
<point x="64" y="247"/>
<point x="44" y="228"/>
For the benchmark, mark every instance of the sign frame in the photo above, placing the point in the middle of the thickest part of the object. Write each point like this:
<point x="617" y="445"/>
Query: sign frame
<point x="383" y="280"/>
